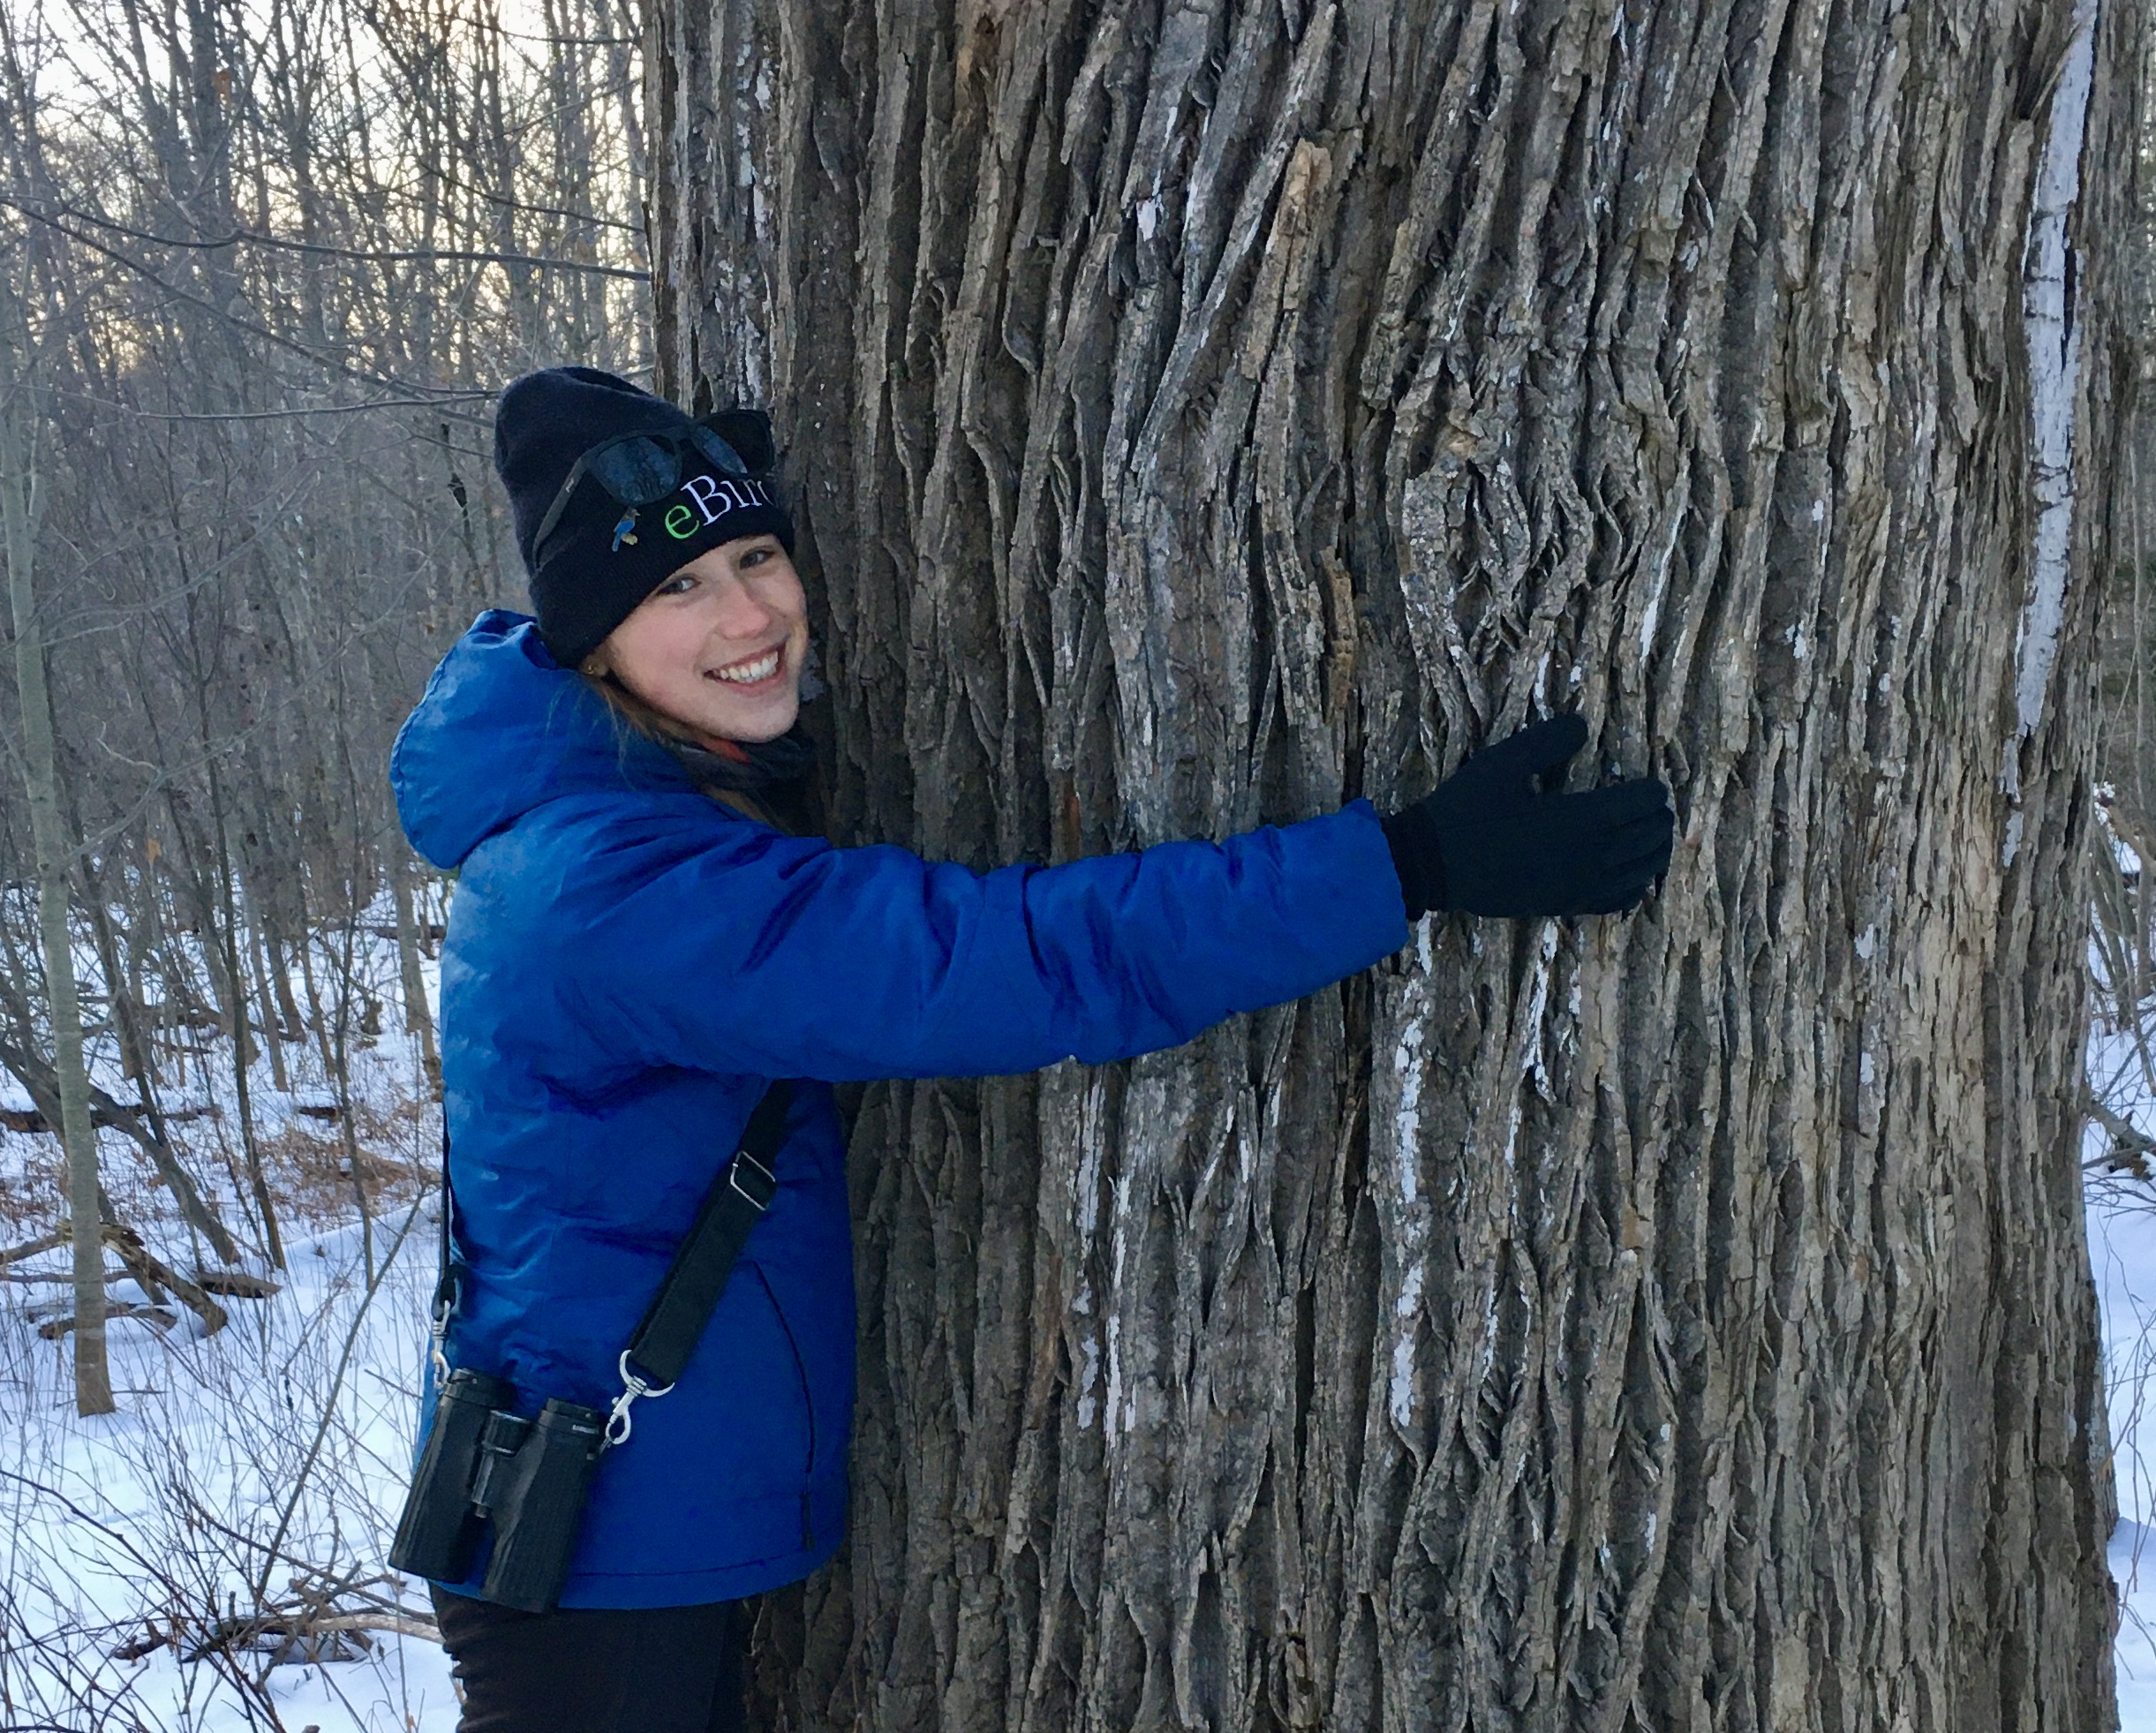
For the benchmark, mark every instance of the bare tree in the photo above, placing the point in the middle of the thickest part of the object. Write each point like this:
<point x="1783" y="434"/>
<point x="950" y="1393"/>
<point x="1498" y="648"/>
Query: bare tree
<point x="1206" y="413"/>
<point x="284" y="254"/>
<point x="20" y="500"/>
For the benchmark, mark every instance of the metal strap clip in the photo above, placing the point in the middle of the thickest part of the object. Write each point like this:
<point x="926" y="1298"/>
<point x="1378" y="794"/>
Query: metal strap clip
<point x="448" y="1291"/>
<point x="632" y="1387"/>
<point x="764" y="1184"/>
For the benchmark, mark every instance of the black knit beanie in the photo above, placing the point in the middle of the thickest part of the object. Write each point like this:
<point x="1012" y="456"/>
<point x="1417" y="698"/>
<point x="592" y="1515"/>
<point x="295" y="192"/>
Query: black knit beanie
<point x="600" y="560"/>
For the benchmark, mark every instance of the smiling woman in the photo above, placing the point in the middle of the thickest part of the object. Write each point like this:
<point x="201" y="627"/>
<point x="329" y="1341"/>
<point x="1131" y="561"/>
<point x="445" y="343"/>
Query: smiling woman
<point x="719" y="646"/>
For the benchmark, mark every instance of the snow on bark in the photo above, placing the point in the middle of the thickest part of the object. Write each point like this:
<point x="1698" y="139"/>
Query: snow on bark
<point x="2054" y="381"/>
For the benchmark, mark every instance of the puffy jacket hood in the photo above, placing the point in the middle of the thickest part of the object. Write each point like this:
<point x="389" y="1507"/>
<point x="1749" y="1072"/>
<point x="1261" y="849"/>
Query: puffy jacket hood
<point x="502" y="728"/>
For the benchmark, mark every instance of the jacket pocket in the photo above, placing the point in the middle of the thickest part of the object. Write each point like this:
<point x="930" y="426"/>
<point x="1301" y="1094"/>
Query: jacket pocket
<point x="808" y="1407"/>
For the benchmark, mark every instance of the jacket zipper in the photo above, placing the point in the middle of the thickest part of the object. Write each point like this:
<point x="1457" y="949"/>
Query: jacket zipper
<point x="808" y="1404"/>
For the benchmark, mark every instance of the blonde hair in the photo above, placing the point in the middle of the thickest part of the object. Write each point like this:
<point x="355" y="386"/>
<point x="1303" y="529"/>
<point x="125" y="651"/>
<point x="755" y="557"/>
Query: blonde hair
<point x="632" y="714"/>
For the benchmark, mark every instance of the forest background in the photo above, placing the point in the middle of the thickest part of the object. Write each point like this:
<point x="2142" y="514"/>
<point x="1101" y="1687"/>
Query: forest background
<point x="261" y="272"/>
<point x="262" y="267"/>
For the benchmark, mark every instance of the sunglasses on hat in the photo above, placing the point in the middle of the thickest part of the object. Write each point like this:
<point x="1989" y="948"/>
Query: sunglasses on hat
<point x="635" y="469"/>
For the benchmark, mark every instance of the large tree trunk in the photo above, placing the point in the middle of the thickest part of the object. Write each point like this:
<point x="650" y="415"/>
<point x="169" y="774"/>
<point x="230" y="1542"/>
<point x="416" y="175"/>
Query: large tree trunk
<point x="1201" y="414"/>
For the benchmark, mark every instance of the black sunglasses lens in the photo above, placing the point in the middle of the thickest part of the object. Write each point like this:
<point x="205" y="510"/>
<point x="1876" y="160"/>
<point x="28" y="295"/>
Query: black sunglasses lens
<point x="636" y="471"/>
<point x="721" y="456"/>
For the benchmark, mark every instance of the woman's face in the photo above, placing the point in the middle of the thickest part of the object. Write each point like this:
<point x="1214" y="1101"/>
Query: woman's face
<point x="718" y="645"/>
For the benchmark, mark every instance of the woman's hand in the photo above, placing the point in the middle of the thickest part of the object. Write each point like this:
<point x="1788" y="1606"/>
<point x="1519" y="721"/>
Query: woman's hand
<point x="1486" y="842"/>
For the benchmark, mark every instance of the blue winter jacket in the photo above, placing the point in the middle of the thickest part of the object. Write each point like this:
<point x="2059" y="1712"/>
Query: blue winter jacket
<point x="628" y="962"/>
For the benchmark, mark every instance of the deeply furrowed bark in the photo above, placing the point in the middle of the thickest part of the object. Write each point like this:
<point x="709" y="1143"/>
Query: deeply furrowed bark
<point x="1204" y="413"/>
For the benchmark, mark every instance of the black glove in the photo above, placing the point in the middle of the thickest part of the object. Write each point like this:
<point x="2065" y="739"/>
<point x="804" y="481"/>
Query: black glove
<point x="1486" y="843"/>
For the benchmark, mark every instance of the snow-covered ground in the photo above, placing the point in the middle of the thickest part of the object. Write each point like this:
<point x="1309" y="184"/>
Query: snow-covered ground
<point x="2121" y="1218"/>
<point x="2123" y="1250"/>
<point x="235" y="1464"/>
<point x="245" y="1470"/>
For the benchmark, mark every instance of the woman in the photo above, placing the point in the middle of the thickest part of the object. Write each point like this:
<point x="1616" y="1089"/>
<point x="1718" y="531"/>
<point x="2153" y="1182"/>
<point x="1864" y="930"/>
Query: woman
<point x="638" y="947"/>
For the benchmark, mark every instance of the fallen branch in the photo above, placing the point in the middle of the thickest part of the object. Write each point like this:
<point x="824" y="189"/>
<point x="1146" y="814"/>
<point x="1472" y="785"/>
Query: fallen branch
<point x="406" y="1625"/>
<point x="151" y="1640"/>
<point x="2130" y="1149"/>
<point x="161" y="1317"/>
<point x="43" y="1243"/>
<point x="294" y="1630"/>
<point x="235" y="1284"/>
<point x="301" y="1640"/>
<point x="282" y="1639"/>
<point x="156" y="1276"/>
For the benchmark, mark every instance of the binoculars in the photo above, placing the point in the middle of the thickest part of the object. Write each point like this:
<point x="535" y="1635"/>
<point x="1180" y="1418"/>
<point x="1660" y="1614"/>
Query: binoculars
<point x="487" y="1467"/>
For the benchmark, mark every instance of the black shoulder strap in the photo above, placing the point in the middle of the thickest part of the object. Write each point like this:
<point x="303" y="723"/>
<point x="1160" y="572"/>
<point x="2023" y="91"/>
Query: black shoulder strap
<point x="448" y="1274"/>
<point x="689" y="1295"/>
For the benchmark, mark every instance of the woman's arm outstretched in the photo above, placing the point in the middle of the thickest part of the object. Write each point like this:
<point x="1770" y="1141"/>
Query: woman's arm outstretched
<point x="727" y="947"/>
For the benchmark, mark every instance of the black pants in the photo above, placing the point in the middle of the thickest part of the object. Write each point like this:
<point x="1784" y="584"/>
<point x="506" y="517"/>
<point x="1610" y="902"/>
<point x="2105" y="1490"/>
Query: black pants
<point x="655" y="1669"/>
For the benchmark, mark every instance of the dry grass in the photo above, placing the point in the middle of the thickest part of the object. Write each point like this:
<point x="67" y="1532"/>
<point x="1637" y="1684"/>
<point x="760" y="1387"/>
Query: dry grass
<point x="310" y="1177"/>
